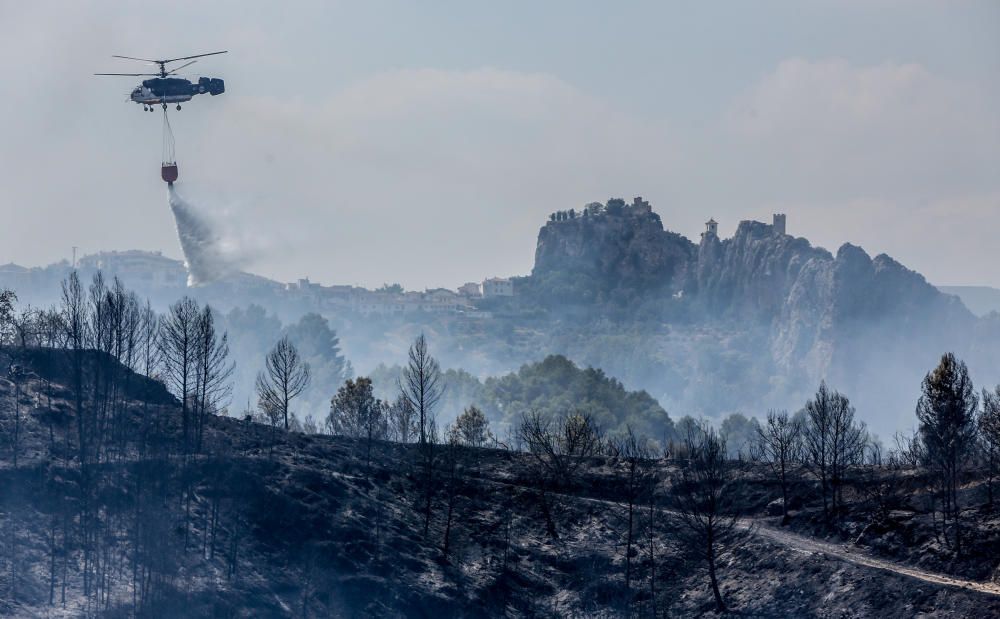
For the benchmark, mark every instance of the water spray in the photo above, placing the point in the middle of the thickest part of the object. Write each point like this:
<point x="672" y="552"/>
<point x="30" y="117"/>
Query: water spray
<point x="207" y="256"/>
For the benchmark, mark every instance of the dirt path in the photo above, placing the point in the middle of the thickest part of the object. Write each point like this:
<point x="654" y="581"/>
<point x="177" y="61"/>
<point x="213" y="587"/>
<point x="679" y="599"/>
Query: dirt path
<point x="808" y="545"/>
<point x="858" y="556"/>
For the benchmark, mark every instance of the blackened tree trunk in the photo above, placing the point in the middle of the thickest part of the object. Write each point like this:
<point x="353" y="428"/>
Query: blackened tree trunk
<point x="703" y="499"/>
<point x="710" y="550"/>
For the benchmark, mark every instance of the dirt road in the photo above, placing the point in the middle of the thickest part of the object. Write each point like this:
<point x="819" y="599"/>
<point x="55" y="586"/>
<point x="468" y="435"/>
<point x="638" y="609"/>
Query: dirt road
<point x="808" y="545"/>
<point x="858" y="556"/>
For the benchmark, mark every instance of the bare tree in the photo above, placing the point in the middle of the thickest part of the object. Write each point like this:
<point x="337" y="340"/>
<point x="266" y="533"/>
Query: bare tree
<point x="284" y="378"/>
<point x="309" y="425"/>
<point x="634" y="456"/>
<point x="850" y="440"/>
<point x="833" y="441"/>
<point x="778" y="445"/>
<point x="703" y="499"/>
<point x="51" y="330"/>
<point x="989" y="435"/>
<point x="213" y="371"/>
<point x="947" y="415"/>
<point x="178" y="345"/>
<point x="559" y="448"/>
<point x="121" y="313"/>
<point x="149" y="356"/>
<point x="908" y="450"/>
<point x="26" y="327"/>
<point x="873" y="451"/>
<point x="563" y="444"/>
<point x="421" y="385"/>
<point x="149" y="350"/>
<point x="74" y="321"/>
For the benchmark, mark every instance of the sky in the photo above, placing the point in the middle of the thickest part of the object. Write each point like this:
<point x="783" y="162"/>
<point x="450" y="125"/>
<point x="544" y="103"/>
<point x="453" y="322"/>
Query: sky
<point x="425" y="143"/>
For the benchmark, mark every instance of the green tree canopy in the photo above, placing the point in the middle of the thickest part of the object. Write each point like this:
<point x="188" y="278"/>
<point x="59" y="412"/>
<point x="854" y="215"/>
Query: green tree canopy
<point x="556" y="385"/>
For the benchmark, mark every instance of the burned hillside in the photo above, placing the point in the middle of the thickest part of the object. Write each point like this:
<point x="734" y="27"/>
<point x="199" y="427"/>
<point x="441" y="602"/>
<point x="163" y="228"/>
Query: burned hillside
<point x="263" y="522"/>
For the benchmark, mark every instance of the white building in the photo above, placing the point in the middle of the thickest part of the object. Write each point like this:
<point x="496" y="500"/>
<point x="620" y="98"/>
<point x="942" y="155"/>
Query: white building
<point x="470" y="289"/>
<point x="138" y="268"/>
<point x="498" y="287"/>
<point x="436" y="300"/>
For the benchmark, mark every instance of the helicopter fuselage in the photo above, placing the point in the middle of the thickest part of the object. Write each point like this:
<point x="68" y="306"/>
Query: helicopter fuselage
<point x="165" y="90"/>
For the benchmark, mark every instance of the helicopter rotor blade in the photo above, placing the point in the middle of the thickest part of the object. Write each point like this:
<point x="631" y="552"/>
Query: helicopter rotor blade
<point x="171" y="72"/>
<point x="139" y="59"/>
<point x="129" y="74"/>
<point x="190" y="57"/>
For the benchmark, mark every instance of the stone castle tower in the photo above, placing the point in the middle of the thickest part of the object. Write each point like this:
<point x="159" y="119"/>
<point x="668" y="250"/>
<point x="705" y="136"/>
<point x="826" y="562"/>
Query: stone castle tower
<point x="779" y="223"/>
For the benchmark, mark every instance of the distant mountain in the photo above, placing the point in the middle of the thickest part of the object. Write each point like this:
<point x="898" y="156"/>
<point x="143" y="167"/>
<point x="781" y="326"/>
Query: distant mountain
<point x="981" y="300"/>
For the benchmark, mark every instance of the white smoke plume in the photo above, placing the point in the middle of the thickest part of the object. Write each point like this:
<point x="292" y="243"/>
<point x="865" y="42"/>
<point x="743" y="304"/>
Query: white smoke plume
<point x="208" y="256"/>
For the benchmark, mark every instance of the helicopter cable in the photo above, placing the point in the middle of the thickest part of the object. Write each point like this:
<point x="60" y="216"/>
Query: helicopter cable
<point x="168" y="140"/>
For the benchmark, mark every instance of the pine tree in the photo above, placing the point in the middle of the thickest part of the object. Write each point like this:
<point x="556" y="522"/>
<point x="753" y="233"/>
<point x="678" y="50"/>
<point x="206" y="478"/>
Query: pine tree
<point x="947" y="415"/>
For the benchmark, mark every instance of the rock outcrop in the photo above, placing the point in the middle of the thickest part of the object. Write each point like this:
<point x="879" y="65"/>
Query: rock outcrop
<point x="870" y="325"/>
<point x="751" y="274"/>
<point x="626" y="251"/>
<point x="759" y="273"/>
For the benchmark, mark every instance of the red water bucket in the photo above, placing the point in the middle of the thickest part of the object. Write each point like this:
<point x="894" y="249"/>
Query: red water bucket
<point x="169" y="172"/>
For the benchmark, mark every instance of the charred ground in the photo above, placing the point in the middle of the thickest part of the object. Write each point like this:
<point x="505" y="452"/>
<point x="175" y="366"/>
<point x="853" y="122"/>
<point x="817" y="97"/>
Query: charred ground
<point x="265" y="523"/>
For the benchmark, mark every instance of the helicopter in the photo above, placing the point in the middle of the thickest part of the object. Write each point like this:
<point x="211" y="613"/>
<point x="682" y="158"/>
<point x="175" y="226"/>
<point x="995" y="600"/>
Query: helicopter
<point x="163" y="89"/>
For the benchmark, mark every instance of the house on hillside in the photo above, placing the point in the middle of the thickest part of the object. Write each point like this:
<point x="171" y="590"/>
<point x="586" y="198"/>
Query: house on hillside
<point x="471" y="290"/>
<point x="498" y="287"/>
<point x="136" y="268"/>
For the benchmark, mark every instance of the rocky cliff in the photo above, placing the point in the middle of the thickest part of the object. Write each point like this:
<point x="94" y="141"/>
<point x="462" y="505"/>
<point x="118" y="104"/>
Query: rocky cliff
<point x="750" y="274"/>
<point x="599" y="255"/>
<point x="870" y="325"/>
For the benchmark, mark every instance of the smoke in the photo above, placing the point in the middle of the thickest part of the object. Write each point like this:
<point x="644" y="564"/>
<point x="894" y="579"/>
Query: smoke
<point x="208" y="255"/>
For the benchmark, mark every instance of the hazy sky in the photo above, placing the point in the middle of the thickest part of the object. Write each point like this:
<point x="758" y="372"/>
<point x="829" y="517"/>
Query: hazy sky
<point x="426" y="142"/>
